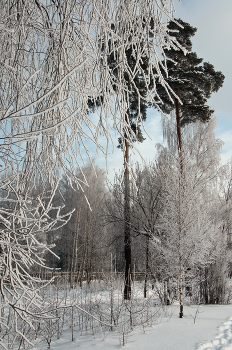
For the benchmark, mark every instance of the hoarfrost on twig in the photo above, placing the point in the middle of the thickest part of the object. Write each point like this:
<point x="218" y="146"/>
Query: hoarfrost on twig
<point x="53" y="74"/>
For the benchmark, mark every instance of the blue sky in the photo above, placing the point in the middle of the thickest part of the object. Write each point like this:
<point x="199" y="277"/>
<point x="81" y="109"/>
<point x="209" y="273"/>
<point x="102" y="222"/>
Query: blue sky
<point x="213" y="43"/>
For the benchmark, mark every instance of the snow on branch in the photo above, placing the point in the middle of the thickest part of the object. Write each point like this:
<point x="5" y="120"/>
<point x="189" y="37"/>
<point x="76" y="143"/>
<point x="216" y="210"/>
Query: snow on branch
<point x="54" y="74"/>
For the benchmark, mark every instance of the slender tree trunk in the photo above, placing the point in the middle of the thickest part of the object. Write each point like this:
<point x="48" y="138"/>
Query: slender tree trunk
<point x="85" y="256"/>
<point x="75" y="239"/>
<point x="81" y="275"/>
<point x="75" y="248"/>
<point x="180" y="148"/>
<point x="179" y="135"/>
<point x="146" y="266"/>
<point x="91" y="260"/>
<point x="72" y="262"/>
<point x="127" y="236"/>
<point x="181" y="314"/>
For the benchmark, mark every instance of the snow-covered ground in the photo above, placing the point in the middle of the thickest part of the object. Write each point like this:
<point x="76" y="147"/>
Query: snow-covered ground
<point x="212" y="330"/>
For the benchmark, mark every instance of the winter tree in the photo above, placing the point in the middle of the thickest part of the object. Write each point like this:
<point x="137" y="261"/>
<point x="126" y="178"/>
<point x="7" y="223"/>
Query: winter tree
<point x="192" y="80"/>
<point x="83" y="242"/>
<point x="147" y="187"/>
<point x="137" y="108"/>
<point x="145" y="208"/>
<point x="52" y="70"/>
<point x="188" y="203"/>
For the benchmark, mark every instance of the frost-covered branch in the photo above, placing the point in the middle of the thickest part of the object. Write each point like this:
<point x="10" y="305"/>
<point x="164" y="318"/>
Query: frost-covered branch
<point x="53" y="75"/>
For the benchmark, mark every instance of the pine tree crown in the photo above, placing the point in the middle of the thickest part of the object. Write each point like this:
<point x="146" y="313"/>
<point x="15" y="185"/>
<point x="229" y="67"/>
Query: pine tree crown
<point x="192" y="80"/>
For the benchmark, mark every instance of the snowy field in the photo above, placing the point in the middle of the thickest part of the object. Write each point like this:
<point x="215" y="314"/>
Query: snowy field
<point x="97" y="317"/>
<point x="212" y="330"/>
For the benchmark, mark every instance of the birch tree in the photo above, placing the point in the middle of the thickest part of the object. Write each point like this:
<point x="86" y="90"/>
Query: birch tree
<point x="188" y="202"/>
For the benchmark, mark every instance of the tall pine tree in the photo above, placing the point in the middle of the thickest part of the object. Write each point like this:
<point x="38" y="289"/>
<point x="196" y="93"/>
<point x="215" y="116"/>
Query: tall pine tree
<point x="191" y="79"/>
<point x="136" y="86"/>
<point x="192" y="82"/>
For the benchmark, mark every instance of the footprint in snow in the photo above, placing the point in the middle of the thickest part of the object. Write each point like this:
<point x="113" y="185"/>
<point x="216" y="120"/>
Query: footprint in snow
<point x="223" y="341"/>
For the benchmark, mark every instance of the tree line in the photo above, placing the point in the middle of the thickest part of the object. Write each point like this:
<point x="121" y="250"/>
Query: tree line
<point x="195" y="256"/>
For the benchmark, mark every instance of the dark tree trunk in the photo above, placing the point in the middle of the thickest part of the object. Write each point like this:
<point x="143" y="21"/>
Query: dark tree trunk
<point x="127" y="236"/>
<point x="146" y="266"/>
<point x="178" y="121"/>
<point x="179" y="135"/>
